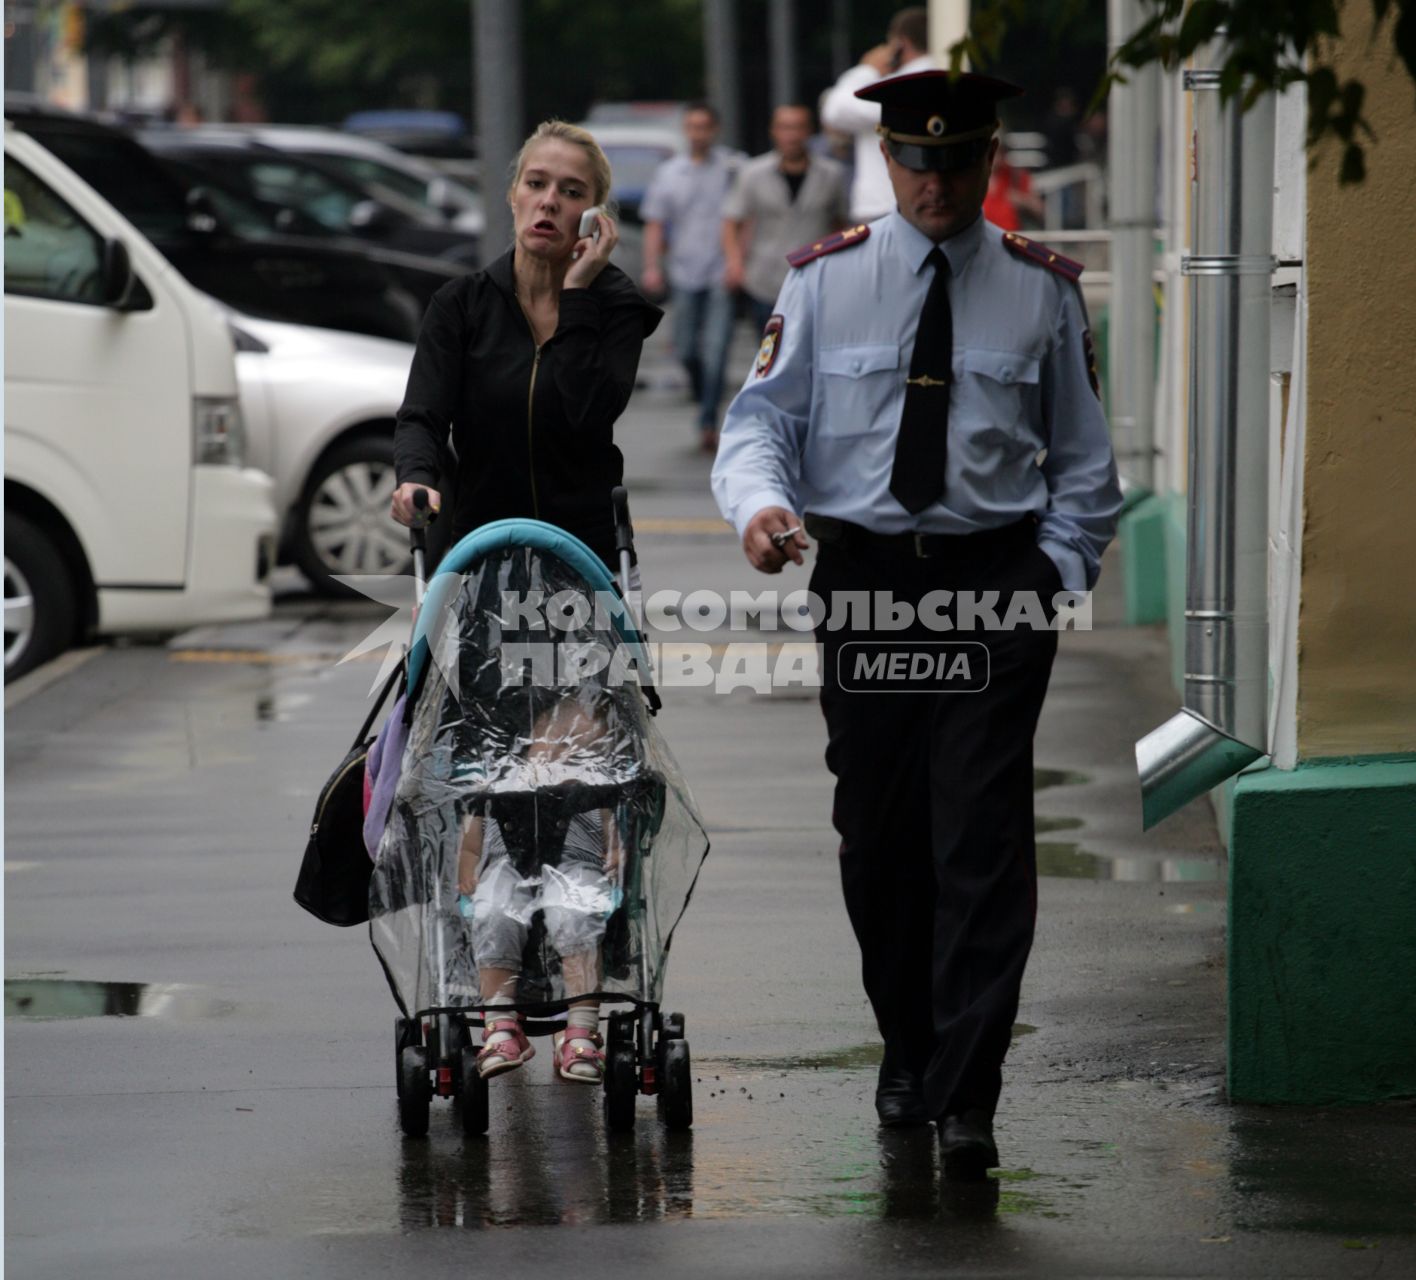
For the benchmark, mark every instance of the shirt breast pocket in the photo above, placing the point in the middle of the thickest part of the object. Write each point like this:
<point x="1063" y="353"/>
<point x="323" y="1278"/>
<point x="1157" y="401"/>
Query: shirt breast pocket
<point x="996" y="395"/>
<point x="856" y="386"/>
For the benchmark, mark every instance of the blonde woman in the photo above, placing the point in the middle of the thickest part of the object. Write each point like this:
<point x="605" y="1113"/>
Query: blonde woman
<point x="531" y="360"/>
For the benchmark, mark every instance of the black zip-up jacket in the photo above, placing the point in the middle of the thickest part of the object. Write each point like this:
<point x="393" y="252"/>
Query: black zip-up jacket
<point x="533" y="429"/>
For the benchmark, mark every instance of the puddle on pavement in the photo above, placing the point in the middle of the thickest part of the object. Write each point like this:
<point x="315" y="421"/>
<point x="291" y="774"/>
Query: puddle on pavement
<point x="45" y="998"/>
<point x="279" y="707"/>
<point x="858" y="1057"/>
<point x="1069" y="861"/>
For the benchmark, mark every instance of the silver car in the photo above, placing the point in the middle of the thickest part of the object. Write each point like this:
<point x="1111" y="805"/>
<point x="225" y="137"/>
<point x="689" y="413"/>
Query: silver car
<point x="319" y="407"/>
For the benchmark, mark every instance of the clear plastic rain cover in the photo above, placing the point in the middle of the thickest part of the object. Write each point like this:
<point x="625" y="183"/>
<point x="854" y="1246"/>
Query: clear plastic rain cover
<point x="542" y="843"/>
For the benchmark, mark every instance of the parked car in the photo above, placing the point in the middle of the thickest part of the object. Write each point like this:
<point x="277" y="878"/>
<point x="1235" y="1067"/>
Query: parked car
<point x="128" y="502"/>
<point x="635" y="152"/>
<point x="319" y="407"/>
<point x="328" y="281"/>
<point x="366" y="160"/>
<point x="439" y="137"/>
<point x="368" y="210"/>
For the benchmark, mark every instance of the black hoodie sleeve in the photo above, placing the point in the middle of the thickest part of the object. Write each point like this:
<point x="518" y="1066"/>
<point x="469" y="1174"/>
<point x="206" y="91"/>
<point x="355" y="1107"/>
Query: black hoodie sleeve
<point x="594" y="355"/>
<point x="434" y="392"/>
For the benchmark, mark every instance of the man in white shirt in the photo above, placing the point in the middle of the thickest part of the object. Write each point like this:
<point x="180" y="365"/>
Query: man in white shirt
<point x="904" y="52"/>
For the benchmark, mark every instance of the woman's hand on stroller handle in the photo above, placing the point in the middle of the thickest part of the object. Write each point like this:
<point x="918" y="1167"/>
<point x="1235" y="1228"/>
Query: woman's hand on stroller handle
<point x="405" y="509"/>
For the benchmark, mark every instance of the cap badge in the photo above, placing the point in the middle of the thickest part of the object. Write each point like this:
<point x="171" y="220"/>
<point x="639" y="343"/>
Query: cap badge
<point x="935" y="126"/>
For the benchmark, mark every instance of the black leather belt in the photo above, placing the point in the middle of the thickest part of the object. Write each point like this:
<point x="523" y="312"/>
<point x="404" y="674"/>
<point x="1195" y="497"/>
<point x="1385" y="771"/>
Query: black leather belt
<point x="915" y="546"/>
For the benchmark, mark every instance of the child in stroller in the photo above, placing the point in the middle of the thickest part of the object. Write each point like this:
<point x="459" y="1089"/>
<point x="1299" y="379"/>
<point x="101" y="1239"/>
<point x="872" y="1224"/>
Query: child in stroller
<point x="571" y="877"/>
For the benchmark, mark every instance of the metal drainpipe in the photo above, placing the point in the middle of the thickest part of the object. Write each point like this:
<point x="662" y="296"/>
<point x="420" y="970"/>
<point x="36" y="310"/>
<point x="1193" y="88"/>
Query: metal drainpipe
<point x="1222" y="726"/>
<point x="1134" y="109"/>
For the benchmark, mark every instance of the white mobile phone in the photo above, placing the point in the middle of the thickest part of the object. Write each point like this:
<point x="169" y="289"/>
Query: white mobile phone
<point x="589" y="222"/>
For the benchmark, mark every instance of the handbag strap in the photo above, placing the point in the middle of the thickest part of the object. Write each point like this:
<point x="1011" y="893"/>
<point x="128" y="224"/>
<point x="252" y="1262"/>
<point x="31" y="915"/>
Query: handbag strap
<point x="368" y="724"/>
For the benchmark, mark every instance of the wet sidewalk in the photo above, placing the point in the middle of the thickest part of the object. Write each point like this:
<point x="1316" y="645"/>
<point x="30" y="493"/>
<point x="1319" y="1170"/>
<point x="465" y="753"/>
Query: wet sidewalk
<point x="221" y="1101"/>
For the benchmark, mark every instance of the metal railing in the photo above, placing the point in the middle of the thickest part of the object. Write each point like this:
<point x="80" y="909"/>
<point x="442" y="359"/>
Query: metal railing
<point x="1063" y="190"/>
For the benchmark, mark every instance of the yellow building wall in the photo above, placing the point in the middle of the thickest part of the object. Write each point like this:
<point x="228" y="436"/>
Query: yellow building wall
<point x="1357" y="619"/>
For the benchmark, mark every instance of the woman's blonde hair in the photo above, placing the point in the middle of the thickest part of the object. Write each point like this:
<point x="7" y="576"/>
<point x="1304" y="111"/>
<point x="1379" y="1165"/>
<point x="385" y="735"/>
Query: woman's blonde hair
<point x="574" y="134"/>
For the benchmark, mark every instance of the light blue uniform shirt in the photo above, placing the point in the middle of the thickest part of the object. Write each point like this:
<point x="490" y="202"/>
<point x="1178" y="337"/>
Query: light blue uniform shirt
<point x="816" y="432"/>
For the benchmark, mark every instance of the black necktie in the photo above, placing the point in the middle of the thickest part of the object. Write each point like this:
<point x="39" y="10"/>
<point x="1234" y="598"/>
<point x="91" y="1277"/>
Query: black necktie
<point x="917" y="478"/>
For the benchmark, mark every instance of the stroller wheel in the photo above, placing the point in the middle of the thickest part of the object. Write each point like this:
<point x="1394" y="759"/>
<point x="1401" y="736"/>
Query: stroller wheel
<point x="621" y="1087"/>
<point x="472" y="1094"/>
<point x="675" y="1085"/>
<point x="415" y="1090"/>
<point x="406" y="1031"/>
<point x="673" y="1027"/>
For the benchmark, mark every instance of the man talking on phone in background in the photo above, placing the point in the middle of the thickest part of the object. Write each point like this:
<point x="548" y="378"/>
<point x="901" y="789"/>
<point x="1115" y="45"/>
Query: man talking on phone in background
<point x="905" y="51"/>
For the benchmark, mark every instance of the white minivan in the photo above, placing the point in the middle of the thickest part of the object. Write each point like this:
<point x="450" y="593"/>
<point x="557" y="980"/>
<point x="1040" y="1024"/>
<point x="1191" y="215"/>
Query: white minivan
<point x="128" y="506"/>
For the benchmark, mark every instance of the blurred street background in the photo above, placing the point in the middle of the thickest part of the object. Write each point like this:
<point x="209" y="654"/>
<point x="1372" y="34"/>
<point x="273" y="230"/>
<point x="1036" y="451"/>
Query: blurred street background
<point x="253" y="202"/>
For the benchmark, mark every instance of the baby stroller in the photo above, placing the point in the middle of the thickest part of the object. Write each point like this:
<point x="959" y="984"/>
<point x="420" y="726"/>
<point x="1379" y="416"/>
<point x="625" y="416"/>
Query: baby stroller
<point x="529" y="711"/>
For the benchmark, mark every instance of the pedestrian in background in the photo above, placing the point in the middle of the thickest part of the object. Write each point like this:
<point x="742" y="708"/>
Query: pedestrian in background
<point x="1011" y="198"/>
<point x="780" y="200"/>
<point x="906" y="50"/>
<point x="683" y="214"/>
<point x="924" y="397"/>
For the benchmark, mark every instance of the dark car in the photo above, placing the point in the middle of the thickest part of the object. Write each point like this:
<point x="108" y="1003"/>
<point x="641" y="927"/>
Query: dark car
<point x="321" y="191"/>
<point x="250" y="262"/>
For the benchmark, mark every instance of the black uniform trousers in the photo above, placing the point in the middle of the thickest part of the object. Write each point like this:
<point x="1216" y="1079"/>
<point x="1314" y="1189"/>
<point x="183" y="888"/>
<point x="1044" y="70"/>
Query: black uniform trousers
<point x="934" y="806"/>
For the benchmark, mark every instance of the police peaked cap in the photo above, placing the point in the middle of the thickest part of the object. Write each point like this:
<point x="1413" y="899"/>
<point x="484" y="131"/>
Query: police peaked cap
<point x="938" y="120"/>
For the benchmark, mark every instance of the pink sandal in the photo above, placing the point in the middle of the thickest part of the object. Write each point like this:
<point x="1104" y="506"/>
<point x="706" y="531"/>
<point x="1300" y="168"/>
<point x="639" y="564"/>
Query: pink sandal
<point x="582" y="1048"/>
<point x="506" y="1053"/>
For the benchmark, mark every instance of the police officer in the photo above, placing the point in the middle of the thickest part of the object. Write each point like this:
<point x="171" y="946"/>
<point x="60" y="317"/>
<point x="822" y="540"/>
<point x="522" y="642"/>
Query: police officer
<point x="924" y="404"/>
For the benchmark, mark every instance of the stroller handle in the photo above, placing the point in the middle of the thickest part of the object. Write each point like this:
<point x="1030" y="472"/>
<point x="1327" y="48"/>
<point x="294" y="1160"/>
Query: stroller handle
<point x="624" y="545"/>
<point x="624" y="531"/>
<point x="418" y="533"/>
<point x="418" y="541"/>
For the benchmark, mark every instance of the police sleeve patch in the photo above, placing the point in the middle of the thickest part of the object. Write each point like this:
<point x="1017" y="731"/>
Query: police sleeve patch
<point x="771" y="344"/>
<point x="1090" y="348"/>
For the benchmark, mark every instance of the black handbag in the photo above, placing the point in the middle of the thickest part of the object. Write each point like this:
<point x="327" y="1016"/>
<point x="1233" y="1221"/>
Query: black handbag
<point x="333" y="884"/>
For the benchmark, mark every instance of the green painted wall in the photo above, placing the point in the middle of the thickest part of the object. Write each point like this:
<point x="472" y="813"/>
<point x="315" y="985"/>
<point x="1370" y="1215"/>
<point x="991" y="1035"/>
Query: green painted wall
<point x="1141" y="532"/>
<point x="1322" y="933"/>
<point x="1176" y="518"/>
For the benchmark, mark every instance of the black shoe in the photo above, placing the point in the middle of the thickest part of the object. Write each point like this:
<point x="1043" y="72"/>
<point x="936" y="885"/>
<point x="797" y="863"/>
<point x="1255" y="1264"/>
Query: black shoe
<point x="966" y="1143"/>
<point x="899" y="1098"/>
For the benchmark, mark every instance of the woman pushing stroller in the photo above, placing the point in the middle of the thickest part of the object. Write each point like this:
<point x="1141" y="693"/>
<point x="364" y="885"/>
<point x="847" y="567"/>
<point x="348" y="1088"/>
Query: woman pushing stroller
<point x="530" y="362"/>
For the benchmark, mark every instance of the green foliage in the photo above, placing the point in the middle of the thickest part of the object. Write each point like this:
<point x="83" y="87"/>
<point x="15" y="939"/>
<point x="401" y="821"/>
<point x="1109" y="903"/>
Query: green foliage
<point x="1270" y="45"/>
<point x="321" y="56"/>
<point x="574" y="51"/>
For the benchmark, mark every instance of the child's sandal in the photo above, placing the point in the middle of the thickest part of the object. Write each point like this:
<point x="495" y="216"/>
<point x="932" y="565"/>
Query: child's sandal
<point x="582" y="1049"/>
<point x="507" y="1052"/>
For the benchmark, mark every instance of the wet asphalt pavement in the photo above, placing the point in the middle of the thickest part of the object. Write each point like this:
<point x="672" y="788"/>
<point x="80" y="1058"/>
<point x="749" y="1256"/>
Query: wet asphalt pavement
<point x="230" y="1110"/>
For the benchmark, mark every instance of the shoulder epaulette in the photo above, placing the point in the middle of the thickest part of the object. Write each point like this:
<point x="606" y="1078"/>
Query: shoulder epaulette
<point x="829" y="244"/>
<point x="1022" y="247"/>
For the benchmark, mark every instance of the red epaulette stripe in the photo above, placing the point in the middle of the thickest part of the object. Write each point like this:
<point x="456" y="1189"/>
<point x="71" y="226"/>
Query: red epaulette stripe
<point x="829" y="244"/>
<point x="1022" y="247"/>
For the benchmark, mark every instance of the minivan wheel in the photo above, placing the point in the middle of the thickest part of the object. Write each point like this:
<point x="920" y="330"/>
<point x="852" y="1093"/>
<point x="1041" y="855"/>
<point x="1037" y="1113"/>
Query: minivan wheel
<point x="40" y="604"/>
<point x="342" y="523"/>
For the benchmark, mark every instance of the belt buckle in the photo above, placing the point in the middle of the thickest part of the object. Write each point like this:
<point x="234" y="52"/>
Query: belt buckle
<point x="921" y="552"/>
